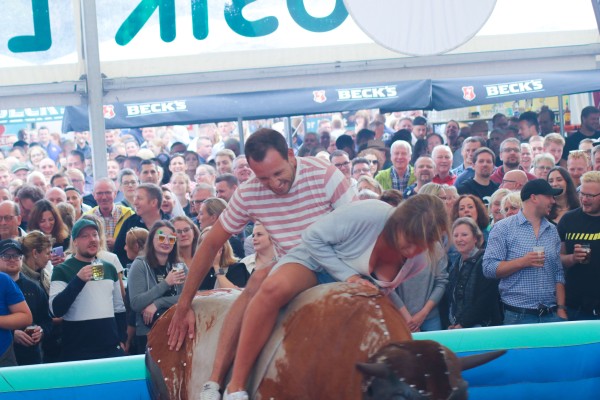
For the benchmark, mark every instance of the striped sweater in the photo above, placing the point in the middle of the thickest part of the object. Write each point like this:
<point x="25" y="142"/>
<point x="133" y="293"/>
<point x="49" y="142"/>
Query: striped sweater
<point x="318" y="188"/>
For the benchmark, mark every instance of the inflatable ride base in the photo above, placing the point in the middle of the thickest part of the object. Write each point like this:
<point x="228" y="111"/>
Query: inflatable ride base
<point x="546" y="361"/>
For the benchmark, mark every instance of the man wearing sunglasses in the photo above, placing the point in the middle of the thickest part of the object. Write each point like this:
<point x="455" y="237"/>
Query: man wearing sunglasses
<point x="287" y="194"/>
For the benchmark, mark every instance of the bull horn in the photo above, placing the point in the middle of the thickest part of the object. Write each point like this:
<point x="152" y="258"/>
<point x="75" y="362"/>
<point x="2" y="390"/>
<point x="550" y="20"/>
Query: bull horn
<point x="374" y="369"/>
<point x="155" y="380"/>
<point x="476" y="360"/>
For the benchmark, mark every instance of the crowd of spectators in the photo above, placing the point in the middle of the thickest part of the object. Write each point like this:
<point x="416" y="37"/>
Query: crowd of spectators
<point x="524" y="206"/>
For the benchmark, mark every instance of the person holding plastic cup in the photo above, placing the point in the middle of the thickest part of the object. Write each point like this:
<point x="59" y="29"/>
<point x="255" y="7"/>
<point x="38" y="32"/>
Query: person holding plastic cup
<point x="580" y="251"/>
<point x="532" y="281"/>
<point x="89" y="308"/>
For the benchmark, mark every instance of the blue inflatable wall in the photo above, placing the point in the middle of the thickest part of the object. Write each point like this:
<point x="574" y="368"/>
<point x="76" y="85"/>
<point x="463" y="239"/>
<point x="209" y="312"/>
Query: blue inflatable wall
<point x="546" y="361"/>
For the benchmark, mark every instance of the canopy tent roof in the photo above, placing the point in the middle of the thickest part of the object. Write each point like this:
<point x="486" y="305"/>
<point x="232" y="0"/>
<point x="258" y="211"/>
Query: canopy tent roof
<point x="542" y="36"/>
<point x="437" y="94"/>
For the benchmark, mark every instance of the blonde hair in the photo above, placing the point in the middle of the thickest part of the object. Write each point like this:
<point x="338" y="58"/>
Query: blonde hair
<point x="513" y="198"/>
<point x="591" y="177"/>
<point x="136" y="237"/>
<point x="580" y="155"/>
<point x="35" y="240"/>
<point x="554" y="138"/>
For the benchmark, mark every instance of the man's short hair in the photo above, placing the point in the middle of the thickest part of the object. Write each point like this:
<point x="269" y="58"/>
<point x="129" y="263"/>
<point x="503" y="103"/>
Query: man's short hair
<point x="147" y="162"/>
<point x="226" y="153"/>
<point x="204" y="186"/>
<point x="154" y="192"/>
<point x="547" y="110"/>
<point x="79" y="154"/>
<point x="482" y="150"/>
<point x="125" y="172"/>
<point x="28" y="191"/>
<point x="261" y="141"/>
<point x="514" y="141"/>
<point x="338" y="153"/>
<point x="531" y="118"/>
<point x="580" y="155"/>
<point x="230" y="179"/>
<point x="591" y="177"/>
<point x="58" y="175"/>
<point x="419" y="121"/>
<point x="473" y="139"/>
<point x="401" y="143"/>
<point x="439" y="147"/>
<point x="554" y="138"/>
<point x="589" y="110"/>
<point x="496" y="117"/>
<point x="360" y="160"/>
<point x="105" y="180"/>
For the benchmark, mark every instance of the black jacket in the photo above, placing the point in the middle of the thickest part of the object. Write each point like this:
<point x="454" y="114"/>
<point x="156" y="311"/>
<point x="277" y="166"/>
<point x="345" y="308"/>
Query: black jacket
<point x="473" y="298"/>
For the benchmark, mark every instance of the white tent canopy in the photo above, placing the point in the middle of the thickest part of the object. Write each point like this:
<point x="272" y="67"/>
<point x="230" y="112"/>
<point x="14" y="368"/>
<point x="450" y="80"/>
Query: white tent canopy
<point x="519" y="37"/>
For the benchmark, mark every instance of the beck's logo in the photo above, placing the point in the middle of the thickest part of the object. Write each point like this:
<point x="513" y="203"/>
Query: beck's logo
<point x="108" y="111"/>
<point x="319" y="96"/>
<point x="469" y="93"/>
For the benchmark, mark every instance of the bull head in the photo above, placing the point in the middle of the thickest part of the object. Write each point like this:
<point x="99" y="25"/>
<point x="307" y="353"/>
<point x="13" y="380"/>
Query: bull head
<point x="418" y="370"/>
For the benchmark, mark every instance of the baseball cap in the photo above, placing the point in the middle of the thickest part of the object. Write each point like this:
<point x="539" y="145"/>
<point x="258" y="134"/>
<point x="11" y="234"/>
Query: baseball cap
<point x="79" y="225"/>
<point x="538" y="186"/>
<point x="8" y="244"/>
<point x="19" y="167"/>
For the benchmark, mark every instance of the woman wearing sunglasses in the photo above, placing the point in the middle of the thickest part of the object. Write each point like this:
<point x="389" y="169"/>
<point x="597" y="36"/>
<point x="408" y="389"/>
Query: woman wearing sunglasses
<point x="154" y="284"/>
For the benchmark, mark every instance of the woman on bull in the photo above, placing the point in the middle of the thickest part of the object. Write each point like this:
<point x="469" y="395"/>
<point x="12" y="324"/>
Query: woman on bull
<point x="367" y="242"/>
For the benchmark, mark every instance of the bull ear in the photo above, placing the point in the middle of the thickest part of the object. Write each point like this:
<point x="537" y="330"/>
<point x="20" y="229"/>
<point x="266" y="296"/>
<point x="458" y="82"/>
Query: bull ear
<point x="374" y="369"/>
<point x="476" y="360"/>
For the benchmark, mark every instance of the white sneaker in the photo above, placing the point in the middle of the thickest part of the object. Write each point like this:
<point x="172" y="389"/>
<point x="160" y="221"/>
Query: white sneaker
<point x="235" y="396"/>
<point x="210" y="391"/>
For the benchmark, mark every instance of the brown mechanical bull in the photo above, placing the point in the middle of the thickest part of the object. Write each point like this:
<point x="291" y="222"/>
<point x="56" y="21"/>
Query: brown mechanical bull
<point x="313" y="352"/>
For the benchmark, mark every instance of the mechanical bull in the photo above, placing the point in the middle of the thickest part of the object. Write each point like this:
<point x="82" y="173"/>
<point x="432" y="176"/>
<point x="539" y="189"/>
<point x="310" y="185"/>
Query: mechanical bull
<point x="335" y="341"/>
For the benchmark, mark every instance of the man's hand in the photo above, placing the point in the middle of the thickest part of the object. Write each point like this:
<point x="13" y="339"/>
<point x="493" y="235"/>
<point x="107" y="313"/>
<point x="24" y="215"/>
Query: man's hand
<point x="182" y="323"/>
<point x="562" y="314"/>
<point x="85" y="273"/>
<point x="37" y="334"/>
<point x="579" y="254"/>
<point x="23" y="339"/>
<point x="533" y="259"/>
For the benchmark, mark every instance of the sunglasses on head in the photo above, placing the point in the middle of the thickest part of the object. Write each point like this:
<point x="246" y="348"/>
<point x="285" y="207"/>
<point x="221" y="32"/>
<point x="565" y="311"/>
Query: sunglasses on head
<point x="162" y="238"/>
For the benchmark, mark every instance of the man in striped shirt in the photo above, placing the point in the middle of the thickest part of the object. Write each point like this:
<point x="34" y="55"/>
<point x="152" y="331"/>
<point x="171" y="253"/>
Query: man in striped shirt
<point x="287" y="194"/>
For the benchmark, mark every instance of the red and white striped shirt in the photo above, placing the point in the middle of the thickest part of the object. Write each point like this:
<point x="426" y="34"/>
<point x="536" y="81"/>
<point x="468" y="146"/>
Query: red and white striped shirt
<point x="318" y="188"/>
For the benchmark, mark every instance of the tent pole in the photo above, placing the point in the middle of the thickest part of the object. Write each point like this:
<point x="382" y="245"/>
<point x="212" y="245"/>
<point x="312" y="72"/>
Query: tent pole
<point x="240" y="125"/>
<point x="561" y="116"/>
<point x="94" y="87"/>
<point x="287" y="125"/>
